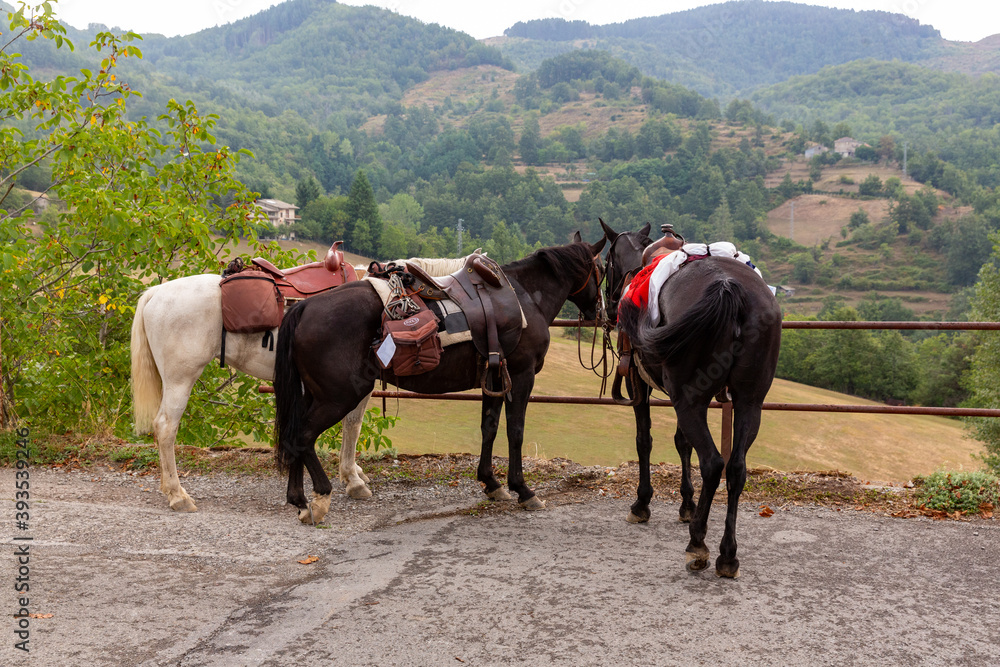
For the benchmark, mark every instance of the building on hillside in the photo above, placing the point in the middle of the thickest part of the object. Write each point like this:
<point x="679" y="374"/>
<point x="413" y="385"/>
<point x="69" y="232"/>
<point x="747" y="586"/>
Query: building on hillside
<point x="815" y="149"/>
<point x="846" y="146"/>
<point x="280" y="214"/>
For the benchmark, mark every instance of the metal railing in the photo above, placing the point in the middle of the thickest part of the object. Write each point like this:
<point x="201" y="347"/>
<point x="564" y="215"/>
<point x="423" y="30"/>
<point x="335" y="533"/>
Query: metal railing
<point x="727" y="408"/>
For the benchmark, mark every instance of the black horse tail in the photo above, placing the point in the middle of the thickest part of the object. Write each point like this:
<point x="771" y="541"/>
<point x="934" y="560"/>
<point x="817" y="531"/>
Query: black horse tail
<point x="716" y="317"/>
<point x="289" y="392"/>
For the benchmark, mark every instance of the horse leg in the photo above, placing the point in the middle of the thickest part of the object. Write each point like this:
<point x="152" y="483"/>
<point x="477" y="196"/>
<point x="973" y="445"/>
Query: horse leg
<point x="295" y="494"/>
<point x="746" y="424"/>
<point x="351" y="473"/>
<point x="176" y="392"/>
<point x="489" y="426"/>
<point x="687" y="488"/>
<point x="693" y="421"/>
<point x="643" y="447"/>
<point x="320" y="504"/>
<point x="515" y="408"/>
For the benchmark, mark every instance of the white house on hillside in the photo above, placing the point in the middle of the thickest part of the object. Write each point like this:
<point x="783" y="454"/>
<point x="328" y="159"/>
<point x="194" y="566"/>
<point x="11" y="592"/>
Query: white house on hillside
<point x="279" y="213"/>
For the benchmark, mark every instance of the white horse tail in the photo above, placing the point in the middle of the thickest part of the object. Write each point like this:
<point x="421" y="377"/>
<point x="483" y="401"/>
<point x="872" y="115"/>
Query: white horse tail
<point x="147" y="386"/>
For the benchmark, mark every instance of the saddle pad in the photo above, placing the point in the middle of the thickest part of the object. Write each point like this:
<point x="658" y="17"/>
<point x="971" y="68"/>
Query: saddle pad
<point x="667" y="265"/>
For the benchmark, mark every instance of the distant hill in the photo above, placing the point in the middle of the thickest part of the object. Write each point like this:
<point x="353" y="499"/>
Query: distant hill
<point x="730" y="49"/>
<point x="315" y="57"/>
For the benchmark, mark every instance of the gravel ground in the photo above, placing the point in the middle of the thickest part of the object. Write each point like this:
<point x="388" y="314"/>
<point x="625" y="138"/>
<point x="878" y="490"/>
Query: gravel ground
<point x="429" y="574"/>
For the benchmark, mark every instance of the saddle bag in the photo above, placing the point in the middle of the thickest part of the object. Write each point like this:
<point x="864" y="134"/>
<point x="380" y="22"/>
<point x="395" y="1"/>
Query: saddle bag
<point x="251" y="302"/>
<point x="416" y="341"/>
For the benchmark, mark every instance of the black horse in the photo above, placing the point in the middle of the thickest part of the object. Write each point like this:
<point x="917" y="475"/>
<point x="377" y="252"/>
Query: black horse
<point x="325" y="366"/>
<point x="720" y="328"/>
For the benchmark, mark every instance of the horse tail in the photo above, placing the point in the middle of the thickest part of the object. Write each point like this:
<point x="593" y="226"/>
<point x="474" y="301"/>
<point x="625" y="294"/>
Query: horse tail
<point x="289" y="392"/>
<point x="716" y="317"/>
<point x="147" y="385"/>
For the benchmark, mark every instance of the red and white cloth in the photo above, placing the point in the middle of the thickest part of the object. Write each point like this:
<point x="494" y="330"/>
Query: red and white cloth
<point x="644" y="290"/>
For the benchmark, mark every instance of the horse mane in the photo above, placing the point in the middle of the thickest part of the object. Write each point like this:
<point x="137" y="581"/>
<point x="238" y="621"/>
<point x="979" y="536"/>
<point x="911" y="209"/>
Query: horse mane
<point x="568" y="259"/>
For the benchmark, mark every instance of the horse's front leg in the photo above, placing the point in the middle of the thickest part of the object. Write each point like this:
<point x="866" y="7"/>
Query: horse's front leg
<point x="165" y="425"/>
<point x="643" y="447"/>
<point x="351" y="474"/>
<point x="515" y="408"/>
<point x="490" y="424"/>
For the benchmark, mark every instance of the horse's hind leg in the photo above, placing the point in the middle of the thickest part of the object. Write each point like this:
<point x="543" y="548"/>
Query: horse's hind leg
<point x="351" y="474"/>
<point x="746" y="423"/>
<point x="489" y="426"/>
<point x="687" y="488"/>
<point x="643" y="446"/>
<point x="692" y="420"/>
<point x="175" y="397"/>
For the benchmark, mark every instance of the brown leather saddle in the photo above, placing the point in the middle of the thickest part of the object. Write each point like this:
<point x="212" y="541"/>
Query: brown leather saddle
<point x="306" y="280"/>
<point x="491" y="308"/>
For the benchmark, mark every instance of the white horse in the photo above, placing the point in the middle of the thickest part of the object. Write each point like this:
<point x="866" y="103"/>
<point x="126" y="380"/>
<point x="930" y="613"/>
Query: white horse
<point x="176" y="333"/>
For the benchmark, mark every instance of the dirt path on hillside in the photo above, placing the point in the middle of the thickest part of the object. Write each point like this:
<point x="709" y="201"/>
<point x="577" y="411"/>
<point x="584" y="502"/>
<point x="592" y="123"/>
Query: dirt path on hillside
<point x="427" y="574"/>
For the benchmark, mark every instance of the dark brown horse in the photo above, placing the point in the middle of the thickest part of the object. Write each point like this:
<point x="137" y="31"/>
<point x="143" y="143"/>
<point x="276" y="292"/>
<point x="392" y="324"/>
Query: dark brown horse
<point x="325" y="365"/>
<point x="720" y="328"/>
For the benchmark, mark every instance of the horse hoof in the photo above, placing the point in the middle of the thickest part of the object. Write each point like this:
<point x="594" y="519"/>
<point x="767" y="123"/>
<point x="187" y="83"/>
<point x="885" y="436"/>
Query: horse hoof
<point x="696" y="562"/>
<point x="320" y="506"/>
<point x="728" y="575"/>
<point x="498" y="493"/>
<point x="306" y="516"/>
<point x="532" y="504"/>
<point x="358" y="491"/>
<point x="184" y="504"/>
<point x="634" y="518"/>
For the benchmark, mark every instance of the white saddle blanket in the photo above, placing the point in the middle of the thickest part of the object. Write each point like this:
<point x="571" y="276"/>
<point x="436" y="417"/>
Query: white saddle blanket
<point x="668" y="266"/>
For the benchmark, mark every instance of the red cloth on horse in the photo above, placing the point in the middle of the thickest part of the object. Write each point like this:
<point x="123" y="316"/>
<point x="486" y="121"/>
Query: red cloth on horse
<point x="638" y="289"/>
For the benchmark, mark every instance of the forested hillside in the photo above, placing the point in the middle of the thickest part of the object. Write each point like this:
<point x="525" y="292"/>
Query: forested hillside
<point x="732" y="48"/>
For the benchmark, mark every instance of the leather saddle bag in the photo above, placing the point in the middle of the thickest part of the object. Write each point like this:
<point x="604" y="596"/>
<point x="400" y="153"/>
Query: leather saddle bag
<point x="418" y="347"/>
<point x="251" y="303"/>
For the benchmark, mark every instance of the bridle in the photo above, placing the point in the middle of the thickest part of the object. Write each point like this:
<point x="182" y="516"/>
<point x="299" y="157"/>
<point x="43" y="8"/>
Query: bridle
<point x="614" y="291"/>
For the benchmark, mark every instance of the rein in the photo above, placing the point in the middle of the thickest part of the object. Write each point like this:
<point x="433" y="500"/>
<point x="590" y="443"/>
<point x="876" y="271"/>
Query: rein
<point x="601" y="321"/>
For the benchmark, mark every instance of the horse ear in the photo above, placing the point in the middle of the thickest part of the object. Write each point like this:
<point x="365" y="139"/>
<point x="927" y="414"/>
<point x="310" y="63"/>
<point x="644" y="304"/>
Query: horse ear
<point x="608" y="232"/>
<point x="596" y="248"/>
<point x="645" y="230"/>
<point x="577" y="238"/>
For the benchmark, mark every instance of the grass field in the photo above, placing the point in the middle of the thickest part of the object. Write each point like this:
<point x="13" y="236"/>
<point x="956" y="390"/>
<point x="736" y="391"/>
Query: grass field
<point x="873" y="447"/>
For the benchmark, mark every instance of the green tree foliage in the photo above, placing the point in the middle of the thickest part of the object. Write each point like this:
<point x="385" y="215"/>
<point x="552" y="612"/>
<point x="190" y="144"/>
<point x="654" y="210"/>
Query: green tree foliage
<point x="306" y="191"/>
<point x="877" y="365"/>
<point x="871" y="186"/>
<point x="364" y="224"/>
<point x="138" y="207"/>
<point x="984" y="381"/>
<point x="530" y="141"/>
<point x="324" y="219"/>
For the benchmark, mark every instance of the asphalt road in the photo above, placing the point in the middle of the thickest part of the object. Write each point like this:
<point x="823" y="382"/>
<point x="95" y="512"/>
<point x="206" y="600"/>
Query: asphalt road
<point x="409" y="578"/>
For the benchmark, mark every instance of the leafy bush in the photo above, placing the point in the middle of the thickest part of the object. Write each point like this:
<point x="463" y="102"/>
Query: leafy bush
<point x="965" y="492"/>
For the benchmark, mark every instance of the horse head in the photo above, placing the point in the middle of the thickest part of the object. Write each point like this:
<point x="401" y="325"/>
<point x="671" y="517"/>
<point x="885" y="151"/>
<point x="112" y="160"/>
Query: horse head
<point x="587" y="296"/>
<point x="624" y="259"/>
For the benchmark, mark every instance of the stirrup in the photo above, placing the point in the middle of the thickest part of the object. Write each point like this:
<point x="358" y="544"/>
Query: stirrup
<point x="504" y="378"/>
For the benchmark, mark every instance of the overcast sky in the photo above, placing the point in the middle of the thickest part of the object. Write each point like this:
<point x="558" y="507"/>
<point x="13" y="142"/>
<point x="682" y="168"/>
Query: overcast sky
<point x="964" y="20"/>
